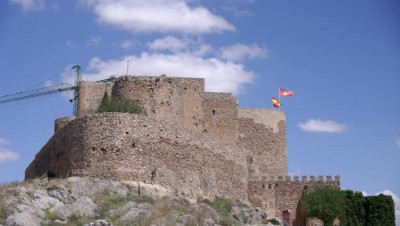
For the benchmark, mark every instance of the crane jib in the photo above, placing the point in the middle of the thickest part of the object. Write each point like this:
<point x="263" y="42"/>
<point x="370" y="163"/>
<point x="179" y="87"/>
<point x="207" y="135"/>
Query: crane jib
<point x="37" y="92"/>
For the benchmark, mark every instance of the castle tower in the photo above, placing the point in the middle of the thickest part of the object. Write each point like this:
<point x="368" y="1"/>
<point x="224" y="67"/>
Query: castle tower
<point x="262" y="132"/>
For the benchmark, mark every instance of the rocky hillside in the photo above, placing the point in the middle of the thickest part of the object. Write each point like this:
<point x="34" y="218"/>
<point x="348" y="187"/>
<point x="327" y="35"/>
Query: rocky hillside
<point x="88" y="201"/>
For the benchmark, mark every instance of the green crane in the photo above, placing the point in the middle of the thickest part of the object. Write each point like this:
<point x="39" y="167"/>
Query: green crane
<point x="48" y="91"/>
<point x="76" y="92"/>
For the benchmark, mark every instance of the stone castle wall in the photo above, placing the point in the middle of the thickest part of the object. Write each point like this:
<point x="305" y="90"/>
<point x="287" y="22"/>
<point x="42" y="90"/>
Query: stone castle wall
<point x="221" y="117"/>
<point x="122" y="146"/>
<point x="182" y="101"/>
<point x="279" y="194"/>
<point x="197" y="143"/>
<point x="61" y="122"/>
<point x="263" y="133"/>
<point x="91" y="94"/>
<point x="162" y="97"/>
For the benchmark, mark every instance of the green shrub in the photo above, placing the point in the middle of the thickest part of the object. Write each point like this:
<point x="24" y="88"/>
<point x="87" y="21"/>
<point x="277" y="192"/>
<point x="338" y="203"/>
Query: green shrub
<point x="112" y="104"/>
<point x="4" y="212"/>
<point x="111" y="202"/>
<point x="273" y="221"/>
<point x="379" y="210"/>
<point x="143" y="199"/>
<point x="325" y="203"/>
<point x="354" y="209"/>
<point x="75" y="220"/>
<point x="107" y="202"/>
<point x="50" y="215"/>
<point x="222" y="205"/>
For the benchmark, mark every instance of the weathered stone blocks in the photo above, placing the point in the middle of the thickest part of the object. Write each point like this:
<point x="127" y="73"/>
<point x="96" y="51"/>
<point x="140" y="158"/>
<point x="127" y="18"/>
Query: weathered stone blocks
<point x="122" y="146"/>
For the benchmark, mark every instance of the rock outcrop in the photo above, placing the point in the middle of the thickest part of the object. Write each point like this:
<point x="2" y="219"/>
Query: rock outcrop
<point x="96" y="202"/>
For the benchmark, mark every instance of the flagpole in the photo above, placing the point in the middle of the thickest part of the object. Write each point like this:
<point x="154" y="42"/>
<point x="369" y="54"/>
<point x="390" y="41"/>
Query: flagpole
<point x="280" y="103"/>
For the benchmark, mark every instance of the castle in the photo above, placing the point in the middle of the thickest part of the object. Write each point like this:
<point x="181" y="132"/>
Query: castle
<point x="196" y="143"/>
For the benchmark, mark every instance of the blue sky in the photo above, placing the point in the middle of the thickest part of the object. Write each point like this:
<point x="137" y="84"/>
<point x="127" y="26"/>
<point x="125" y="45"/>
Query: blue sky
<point x="341" y="58"/>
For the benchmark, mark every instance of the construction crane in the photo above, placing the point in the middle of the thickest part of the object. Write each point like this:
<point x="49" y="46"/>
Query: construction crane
<point x="48" y="91"/>
<point x="76" y="92"/>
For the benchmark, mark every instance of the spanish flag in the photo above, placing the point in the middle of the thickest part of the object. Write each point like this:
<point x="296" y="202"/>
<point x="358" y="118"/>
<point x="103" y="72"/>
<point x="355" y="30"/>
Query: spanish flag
<point x="275" y="103"/>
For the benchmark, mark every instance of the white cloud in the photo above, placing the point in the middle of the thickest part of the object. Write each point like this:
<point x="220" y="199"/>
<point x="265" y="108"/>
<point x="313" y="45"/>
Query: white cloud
<point x="175" y="45"/>
<point x="239" y="51"/>
<point x="236" y="11"/>
<point x="317" y="125"/>
<point x="168" y="43"/>
<point x="70" y="44"/>
<point x="30" y="5"/>
<point x="5" y="154"/>
<point x="128" y="44"/>
<point x="158" y="16"/>
<point x="3" y="141"/>
<point x="220" y="76"/>
<point x="48" y="83"/>
<point x="398" y="143"/>
<point x="35" y="5"/>
<point x="95" y="41"/>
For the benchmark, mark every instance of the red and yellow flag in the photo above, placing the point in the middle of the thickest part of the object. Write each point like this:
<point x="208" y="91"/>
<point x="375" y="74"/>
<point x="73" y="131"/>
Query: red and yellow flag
<point x="275" y="102"/>
<point x="284" y="92"/>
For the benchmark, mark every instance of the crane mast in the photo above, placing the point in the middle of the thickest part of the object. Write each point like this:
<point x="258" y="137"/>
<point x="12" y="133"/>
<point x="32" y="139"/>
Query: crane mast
<point x="76" y="92"/>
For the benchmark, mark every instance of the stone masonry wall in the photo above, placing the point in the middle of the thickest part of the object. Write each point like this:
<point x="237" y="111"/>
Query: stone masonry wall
<point x="221" y="117"/>
<point x="183" y="101"/>
<point x="91" y="94"/>
<point x="262" y="132"/>
<point x="164" y="97"/>
<point x="61" y="122"/>
<point x="123" y="146"/>
<point x="278" y="194"/>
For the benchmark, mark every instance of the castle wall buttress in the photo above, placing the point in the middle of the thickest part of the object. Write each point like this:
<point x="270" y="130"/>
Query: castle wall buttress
<point x="193" y="117"/>
<point x="221" y="117"/>
<point x="262" y="132"/>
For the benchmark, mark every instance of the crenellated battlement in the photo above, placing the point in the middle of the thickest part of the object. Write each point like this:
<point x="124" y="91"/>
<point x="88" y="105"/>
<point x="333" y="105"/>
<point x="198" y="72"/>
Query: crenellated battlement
<point x="284" y="192"/>
<point x="304" y="180"/>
